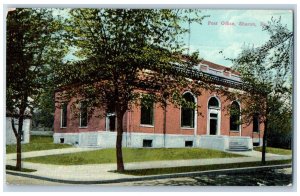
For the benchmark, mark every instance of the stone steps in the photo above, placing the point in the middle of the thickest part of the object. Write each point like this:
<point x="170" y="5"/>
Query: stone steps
<point x="237" y="146"/>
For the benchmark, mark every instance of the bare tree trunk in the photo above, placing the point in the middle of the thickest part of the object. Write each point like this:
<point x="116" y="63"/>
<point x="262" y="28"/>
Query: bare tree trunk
<point x="263" y="152"/>
<point x="165" y="121"/>
<point x="19" y="154"/>
<point x="120" y="163"/>
<point x="19" y="146"/>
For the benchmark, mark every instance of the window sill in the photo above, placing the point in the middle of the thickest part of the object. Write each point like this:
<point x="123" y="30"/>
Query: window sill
<point x="234" y="131"/>
<point x="63" y="127"/>
<point x="82" y="127"/>
<point x="150" y="126"/>
<point x="190" y="128"/>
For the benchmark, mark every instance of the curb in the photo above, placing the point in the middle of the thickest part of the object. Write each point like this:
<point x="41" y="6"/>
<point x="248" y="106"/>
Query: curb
<point x="155" y="177"/>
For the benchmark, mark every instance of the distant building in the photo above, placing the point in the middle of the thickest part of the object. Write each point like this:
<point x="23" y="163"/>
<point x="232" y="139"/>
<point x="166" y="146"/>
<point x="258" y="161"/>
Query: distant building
<point x="145" y="126"/>
<point x="10" y="136"/>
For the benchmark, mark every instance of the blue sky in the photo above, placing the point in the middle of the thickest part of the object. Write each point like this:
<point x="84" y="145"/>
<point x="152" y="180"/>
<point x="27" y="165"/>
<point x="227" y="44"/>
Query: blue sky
<point x="210" y="39"/>
<point x="214" y="35"/>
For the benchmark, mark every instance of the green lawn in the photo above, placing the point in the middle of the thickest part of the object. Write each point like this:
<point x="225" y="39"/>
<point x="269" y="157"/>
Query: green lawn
<point x="37" y="143"/>
<point x="156" y="171"/>
<point x="275" y="150"/>
<point x="130" y="155"/>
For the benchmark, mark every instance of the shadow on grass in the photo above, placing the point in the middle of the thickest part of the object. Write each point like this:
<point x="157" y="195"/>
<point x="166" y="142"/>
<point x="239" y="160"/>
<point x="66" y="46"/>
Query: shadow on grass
<point x="170" y="170"/>
<point x="13" y="168"/>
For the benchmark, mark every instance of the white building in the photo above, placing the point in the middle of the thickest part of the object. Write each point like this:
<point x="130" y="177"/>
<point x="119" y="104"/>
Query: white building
<point x="10" y="136"/>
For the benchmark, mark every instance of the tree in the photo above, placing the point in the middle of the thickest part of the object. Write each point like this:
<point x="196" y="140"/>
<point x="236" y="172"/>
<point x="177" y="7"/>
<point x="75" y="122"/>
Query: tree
<point x="266" y="76"/>
<point x="43" y="114"/>
<point x="280" y="125"/>
<point x="125" y="55"/>
<point x="32" y="43"/>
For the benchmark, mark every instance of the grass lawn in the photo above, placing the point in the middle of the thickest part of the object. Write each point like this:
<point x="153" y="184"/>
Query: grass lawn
<point x="130" y="155"/>
<point x="156" y="171"/>
<point x="275" y="150"/>
<point x="37" y="143"/>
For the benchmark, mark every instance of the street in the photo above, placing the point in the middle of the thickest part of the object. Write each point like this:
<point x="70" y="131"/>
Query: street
<point x="274" y="177"/>
<point x="278" y="177"/>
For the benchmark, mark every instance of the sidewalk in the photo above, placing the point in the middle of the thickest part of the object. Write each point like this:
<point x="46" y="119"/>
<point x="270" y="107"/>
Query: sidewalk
<point x="49" y="152"/>
<point x="101" y="172"/>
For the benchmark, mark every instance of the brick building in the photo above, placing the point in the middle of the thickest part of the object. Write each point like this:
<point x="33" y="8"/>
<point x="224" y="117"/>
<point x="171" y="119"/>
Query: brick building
<point x="215" y="128"/>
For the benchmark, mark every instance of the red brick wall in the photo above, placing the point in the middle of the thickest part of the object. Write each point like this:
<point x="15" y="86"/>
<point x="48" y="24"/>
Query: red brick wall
<point x="132" y="120"/>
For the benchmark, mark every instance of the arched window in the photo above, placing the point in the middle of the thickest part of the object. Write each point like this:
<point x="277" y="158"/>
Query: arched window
<point x="214" y="114"/>
<point x="188" y="111"/>
<point x="213" y="103"/>
<point x="235" y="116"/>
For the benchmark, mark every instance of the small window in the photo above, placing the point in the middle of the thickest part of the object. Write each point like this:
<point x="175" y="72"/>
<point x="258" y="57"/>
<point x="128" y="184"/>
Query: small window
<point x="146" y="112"/>
<point x="256" y="123"/>
<point x="213" y="115"/>
<point x="64" y="113"/>
<point x="188" y="143"/>
<point x="83" y="114"/>
<point x="147" y="143"/>
<point x="62" y="140"/>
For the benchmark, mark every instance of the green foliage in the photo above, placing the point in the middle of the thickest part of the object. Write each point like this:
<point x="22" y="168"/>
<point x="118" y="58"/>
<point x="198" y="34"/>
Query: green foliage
<point x="280" y="134"/>
<point x="130" y="155"/>
<point x="33" y="45"/>
<point x="127" y="50"/>
<point x="266" y="72"/>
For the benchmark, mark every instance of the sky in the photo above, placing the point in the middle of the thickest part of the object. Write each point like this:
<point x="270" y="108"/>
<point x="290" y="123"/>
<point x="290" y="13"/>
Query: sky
<point x="228" y="31"/>
<point x="217" y="32"/>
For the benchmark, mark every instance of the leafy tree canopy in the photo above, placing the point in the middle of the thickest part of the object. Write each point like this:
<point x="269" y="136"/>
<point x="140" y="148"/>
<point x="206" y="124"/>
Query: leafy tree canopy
<point x="127" y="49"/>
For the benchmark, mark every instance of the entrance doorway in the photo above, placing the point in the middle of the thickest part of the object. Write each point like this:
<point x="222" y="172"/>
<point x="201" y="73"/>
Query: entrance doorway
<point x="213" y="124"/>
<point x="214" y="114"/>
<point x="111" y="122"/>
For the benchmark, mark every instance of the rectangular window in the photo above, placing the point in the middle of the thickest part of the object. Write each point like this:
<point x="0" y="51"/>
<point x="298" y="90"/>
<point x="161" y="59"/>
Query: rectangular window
<point x="64" y="113"/>
<point x="83" y="114"/>
<point x="188" y="143"/>
<point x="255" y="123"/>
<point x="147" y="114"/>
<point x="187" y="117"/>
<point x="234" y="126"/>
<point x="147" y="143"/>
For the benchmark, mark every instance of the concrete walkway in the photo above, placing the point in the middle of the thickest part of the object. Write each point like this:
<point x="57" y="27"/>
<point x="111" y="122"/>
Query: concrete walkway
<point x="50" y="152"/>
<point x="102" y="172"/>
